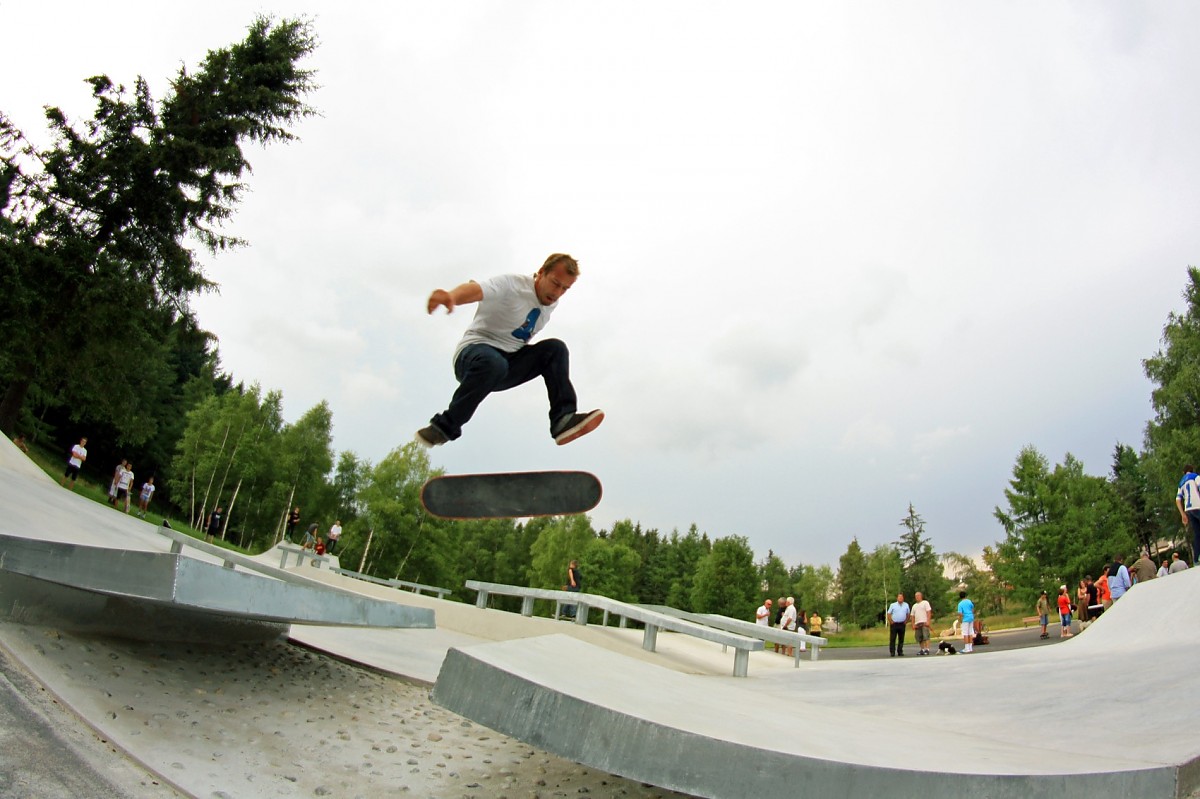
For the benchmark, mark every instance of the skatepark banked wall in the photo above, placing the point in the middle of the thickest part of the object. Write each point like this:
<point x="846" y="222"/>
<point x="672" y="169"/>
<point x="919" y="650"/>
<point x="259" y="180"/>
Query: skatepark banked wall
<point x="996" y="725"/>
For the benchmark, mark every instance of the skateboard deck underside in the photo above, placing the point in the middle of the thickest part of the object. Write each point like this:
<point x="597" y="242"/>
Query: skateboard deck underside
<point x="511" y="495"/>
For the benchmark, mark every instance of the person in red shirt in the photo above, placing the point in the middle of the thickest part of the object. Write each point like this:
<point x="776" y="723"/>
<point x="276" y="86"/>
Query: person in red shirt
<point x="1102" y="587"/>
<point x="1064" y="611"/>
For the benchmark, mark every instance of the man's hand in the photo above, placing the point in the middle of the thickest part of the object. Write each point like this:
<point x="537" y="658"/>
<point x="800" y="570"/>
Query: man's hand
<point x="465" y="294"/>
<point x="440" y="297"/>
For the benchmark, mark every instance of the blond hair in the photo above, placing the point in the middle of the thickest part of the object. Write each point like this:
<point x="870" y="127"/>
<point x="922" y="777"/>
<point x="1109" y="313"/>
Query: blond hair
<point x="569" y="263"/>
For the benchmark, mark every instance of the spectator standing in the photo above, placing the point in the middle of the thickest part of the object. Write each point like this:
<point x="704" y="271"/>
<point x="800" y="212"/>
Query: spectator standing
<point x="1102" y="589"/>
<point x="574" y="585"/>
<point x="780" y="607"/>
<point x="897" y="614"/>
<point x="213" y="528"/>
<point x="1081" y="604"/>
<point x="1064" y="612"/>
<point x="335" y="535"/>
<point x="1163" y="571"/>
<point x="1178" y="564"/>
<point x="1143" y="569"/>
<point x="814" y="624"/>
<point x="310" y="537"/>
<point x="1118" y="578"/>
<point x="966" y="617"/>
<point x="1187" y="500"/>
<point x="788" y="622"/>
<point x="1043" y="611"/>
<point x="922" y="620"/>
<point x="293" y="520"/>
<point x="763" y="614"/>
<point x="75" y="462"/>
<point x="125" y="485"/>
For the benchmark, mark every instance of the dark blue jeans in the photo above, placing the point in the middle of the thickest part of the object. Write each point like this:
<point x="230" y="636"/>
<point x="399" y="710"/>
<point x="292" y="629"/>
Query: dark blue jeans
<point x="482" y="369"/>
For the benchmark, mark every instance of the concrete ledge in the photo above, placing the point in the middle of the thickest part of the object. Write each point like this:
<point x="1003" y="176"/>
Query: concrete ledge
<point x="705" y="736"/>
<point x="186" y="583"/>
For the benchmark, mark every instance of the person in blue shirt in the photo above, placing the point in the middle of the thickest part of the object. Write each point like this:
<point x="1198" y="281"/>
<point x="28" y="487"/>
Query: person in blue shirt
<point x="1187" y="500"/>
<point x="966" y="615"/>
<point x="897" y="614"/>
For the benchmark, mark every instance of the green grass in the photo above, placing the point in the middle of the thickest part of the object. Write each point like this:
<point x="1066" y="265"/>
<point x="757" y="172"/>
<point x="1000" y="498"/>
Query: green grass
<point x="51" y="465"/>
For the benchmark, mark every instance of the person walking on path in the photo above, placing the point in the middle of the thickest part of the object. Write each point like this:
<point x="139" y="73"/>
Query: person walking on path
<point x="966" y="618"/>
<point x="75" y="462"/>
<point x="1043" y="611"/>
<point x="922" y="620"/>
<point x="495" y="353"/>
<point x="897" y="614"/>
<point x="145" y="496"/>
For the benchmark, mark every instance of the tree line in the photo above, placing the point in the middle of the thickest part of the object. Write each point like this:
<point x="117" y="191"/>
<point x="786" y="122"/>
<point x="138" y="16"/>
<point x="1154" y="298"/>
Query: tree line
<point x="98" y="259"/>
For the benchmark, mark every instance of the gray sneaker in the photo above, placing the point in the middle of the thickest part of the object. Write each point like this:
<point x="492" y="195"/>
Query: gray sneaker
<point x="431" y="436"/>
<point x="575" y="425"/>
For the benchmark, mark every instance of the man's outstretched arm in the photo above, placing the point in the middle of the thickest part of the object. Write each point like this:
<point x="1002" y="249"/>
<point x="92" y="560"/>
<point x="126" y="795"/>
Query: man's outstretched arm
<point x="461" y="295"/>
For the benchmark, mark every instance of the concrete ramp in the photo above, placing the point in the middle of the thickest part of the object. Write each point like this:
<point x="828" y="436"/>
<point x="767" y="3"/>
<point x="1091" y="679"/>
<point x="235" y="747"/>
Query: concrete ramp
<point x="996" y="725"/>
<point x="79" y="565"/>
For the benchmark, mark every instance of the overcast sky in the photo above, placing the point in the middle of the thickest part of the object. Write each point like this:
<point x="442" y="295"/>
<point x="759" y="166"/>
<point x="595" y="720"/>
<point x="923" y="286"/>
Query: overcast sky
<point x="836" y="258"/>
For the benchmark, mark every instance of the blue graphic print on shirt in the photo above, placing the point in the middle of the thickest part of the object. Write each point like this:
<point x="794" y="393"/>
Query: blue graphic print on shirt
<point x="525" y="331"/>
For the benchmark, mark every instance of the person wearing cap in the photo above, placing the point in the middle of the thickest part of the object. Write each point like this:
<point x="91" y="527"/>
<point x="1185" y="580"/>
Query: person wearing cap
<point x="1064" y="612"/>
<point x="1043" y="611"/>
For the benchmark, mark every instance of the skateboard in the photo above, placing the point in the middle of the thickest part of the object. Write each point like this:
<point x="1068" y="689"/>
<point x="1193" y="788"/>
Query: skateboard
<point x="510" y="495"/>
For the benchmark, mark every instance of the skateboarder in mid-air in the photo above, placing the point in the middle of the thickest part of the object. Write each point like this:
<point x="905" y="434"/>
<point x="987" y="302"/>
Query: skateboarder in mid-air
<point x="495" y="353"/>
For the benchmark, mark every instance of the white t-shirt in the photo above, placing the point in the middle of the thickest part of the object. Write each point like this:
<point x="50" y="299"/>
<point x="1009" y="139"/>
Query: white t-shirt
<point x="78" y="455"/>
<point x="125" y="480"/>
<point x="788" y="622"/>
<point x="335" y="532"/>
<point x="921" y="611"/>
<point x="763" y="616"/>
<point x="508" y="316"/>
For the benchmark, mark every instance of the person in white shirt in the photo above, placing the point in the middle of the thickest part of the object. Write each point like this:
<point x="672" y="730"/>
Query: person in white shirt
<point x="495" y="353"/>
<point x="75" y="462"/>
<point x="788" y="621"/>
<point x="763" y="614"/>
<point x="922" y="619"/>
<point x="335" y="532"/>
